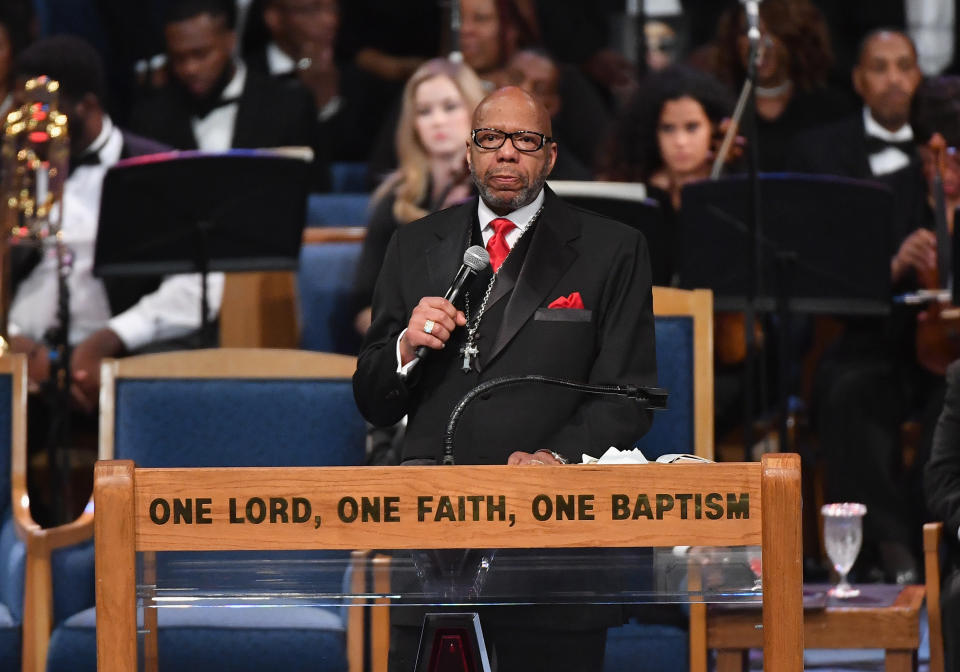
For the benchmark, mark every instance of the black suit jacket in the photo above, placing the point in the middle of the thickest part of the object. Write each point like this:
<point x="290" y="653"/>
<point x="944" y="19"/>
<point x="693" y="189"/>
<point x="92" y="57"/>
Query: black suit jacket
<point x="270" y="113"/>
<point x="610" y="341"/>
<point x="942" y="473"/>
<point x="837" y="149"/>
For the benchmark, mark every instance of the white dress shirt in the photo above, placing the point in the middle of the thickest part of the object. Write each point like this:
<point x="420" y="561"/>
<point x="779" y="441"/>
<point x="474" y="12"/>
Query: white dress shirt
<point x="890" y="159"/>
<point x="171" y="311"/>
<point x="931" y="25"/>
<point x="522" y="217"/>
<point x="214" y="132"/>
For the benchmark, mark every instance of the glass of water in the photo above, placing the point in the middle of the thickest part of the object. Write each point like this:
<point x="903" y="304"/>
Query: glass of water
<point x="842" y="536"/>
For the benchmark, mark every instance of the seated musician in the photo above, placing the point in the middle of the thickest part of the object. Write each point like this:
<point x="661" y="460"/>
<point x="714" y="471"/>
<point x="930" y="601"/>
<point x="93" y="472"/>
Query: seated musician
<point x="877" y="375"/>
<point x="108" y="318"/>
<point x="666" y="138"/>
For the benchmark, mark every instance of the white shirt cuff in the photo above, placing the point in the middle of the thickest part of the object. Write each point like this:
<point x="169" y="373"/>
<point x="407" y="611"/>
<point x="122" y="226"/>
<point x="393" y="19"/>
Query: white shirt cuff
<point x="404" y="369"/>
<point x="330" y="109"/>
<point x="172" y="311"/>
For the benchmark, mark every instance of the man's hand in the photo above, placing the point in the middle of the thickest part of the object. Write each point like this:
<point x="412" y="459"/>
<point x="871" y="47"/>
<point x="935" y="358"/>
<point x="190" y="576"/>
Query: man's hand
<point x="319" y="73"/>
<point x="539" y="457"/>
<point x="918" y="251"/>
<point x="38" y="360"/>
<point x="445" y="319"/>
<point x="85" y="366"/>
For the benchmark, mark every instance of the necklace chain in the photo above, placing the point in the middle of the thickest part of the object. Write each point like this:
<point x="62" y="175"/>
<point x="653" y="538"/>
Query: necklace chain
<point x="474" y="324"/>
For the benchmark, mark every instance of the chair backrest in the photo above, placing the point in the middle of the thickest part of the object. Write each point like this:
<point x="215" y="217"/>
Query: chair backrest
<point x="684" y="337"/>
<point x="325" y="284"/>
<point x="13" y="426"/>
<point x="13" y="474"/>
<point x="349" y="177"/>
<point x="338" y="209"/>
<point x="231" y="407"/>
<point x="932" y="536"/>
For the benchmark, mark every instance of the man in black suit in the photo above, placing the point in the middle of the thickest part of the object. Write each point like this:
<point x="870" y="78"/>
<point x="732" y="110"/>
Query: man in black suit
<point x="942" y="487"/>
<point x="213" y="102"/>
<point x="556" y="251"/>
<point x="570" y="299"/>
<point x="879" y="140"/>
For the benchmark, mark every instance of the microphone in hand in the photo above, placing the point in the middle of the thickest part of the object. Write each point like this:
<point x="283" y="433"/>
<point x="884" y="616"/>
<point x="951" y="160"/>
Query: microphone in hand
<point x="475" y="259"/>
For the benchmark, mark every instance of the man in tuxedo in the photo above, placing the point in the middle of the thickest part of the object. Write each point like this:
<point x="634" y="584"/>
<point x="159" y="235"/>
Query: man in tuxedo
<point x="109" y="317"/>
<point x="569" y="297"/>
<point x="879" y="140"/>
<point x="298" y="44"/>
<point x="213" y="102"/>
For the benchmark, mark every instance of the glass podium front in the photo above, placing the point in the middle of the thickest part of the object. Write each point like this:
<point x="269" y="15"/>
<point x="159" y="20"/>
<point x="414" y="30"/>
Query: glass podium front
<point x="313" y="603"/>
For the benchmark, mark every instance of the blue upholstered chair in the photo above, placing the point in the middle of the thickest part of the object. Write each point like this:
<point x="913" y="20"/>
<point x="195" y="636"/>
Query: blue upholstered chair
<point x="349" y="177"/>
<point x="324" y="292"/>
<point x="227" y="407"/>
<point x="13" y="423"/>
<point x="684" y="336"/>
<point x="337" y="209"/>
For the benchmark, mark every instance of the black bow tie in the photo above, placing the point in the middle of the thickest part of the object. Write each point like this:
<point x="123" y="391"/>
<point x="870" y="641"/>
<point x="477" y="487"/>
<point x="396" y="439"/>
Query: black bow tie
<point x="876" y="145"/>
<point x="85" y="159"/>
<point x="202" y="109"/>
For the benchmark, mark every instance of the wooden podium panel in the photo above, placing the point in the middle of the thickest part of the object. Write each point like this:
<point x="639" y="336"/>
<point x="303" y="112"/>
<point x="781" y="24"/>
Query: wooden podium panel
<point x="448" y="507"/>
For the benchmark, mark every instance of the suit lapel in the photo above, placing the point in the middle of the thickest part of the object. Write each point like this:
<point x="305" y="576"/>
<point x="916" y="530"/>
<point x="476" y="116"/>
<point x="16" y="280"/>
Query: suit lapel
<point x="445" y="255"/>
<point x="548" y="258"/>
<point x="246" y="125"/>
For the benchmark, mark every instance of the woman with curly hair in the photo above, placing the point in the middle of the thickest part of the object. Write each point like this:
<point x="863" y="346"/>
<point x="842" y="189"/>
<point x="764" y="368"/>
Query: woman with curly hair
<point x="791" y="86"/>
<point x="663" y="137"/>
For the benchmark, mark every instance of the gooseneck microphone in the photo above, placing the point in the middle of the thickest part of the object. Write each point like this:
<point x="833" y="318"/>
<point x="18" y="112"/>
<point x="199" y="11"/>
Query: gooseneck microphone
<point x="475" y="259"/>
<point x="653" y="398"/>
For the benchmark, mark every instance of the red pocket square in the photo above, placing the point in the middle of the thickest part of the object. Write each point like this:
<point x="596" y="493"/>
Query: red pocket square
<point x="572" y="301"/>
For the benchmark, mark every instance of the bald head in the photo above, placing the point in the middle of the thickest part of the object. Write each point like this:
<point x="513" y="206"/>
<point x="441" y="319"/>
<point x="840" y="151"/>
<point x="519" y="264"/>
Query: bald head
<point x="511" y="173"/>
<point x="512" y="101"/>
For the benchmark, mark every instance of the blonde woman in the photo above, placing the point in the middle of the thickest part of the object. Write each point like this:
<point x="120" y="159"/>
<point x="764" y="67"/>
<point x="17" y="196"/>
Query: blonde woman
<point x="438" y="104"/>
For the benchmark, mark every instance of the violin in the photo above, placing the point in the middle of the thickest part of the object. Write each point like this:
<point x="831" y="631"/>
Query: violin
<point x="938" y="326"/>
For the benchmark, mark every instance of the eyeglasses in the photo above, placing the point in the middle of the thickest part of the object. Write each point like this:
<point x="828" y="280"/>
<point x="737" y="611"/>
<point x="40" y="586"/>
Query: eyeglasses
<point x="523" y="141"/>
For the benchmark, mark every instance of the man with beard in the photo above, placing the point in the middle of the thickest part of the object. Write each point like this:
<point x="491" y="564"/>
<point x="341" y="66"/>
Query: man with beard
<point x="569" y="296"/>
<point x="213" y="102"/>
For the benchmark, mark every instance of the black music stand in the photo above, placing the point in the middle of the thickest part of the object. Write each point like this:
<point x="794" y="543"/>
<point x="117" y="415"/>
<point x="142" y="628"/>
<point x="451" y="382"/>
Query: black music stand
<point x="826" y="247"/>
<point x="624" y="203"/>
<point x="194" y="212"/>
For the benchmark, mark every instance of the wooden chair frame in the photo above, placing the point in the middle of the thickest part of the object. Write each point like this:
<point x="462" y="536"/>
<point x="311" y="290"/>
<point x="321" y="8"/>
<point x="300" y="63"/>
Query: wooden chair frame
<point x="124" y="528"/>
<point x="698" y="304"/>
<point x="38" y="541"/>
<point x="215" y="363"/>
<point x="259" y="308"/>
<point x="932" y="536"/>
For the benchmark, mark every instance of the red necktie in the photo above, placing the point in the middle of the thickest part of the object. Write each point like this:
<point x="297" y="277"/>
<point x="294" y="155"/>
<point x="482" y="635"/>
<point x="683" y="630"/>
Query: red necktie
<point x="497" y="245"/>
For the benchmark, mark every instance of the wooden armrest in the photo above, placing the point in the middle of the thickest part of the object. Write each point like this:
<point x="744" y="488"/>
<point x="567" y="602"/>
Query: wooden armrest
<point x="932" y="535"/>
<point x="38" y="590"/>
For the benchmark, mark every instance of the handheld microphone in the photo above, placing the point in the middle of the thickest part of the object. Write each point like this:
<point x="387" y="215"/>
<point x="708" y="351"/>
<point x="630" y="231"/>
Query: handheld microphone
<point x="475" y="259"/>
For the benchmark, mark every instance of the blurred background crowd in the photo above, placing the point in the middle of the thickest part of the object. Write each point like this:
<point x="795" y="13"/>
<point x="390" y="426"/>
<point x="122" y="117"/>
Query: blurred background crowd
<point x="638" y="92"/>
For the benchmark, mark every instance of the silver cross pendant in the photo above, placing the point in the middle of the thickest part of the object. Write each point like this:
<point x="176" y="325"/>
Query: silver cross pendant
<point x="469" y="351"/>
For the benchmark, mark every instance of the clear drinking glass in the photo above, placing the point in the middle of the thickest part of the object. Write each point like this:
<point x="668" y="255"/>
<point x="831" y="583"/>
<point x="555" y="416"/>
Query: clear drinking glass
<point x="842" y="536"/>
